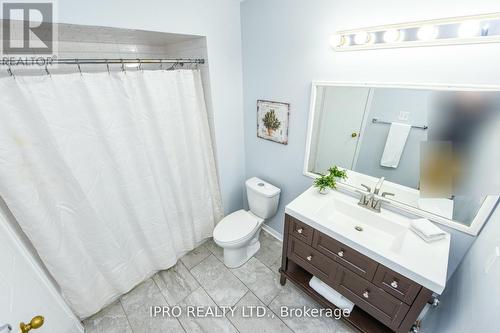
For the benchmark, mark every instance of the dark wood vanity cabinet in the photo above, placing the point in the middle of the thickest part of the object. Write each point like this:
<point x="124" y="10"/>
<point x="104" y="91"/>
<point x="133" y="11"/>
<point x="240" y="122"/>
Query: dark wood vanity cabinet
<point x="385" y="301"/>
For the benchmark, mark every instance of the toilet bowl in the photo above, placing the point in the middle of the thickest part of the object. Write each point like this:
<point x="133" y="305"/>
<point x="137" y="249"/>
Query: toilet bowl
<point x="238" y="233"/>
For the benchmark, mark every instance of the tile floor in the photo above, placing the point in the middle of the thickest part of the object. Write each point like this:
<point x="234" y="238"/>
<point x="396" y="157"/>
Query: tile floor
<point x="200" y="278"/>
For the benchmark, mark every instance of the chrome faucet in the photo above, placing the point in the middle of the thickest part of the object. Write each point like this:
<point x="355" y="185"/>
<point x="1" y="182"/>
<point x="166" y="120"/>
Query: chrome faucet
<point x="377" y="188"/>
<point x="372" y="200"/>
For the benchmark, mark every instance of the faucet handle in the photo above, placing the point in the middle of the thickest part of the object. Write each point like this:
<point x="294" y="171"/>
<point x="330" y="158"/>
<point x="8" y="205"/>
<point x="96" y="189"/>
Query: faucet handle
<point x="376" y="204"/>
<point x="387" y="194"/>
<point x="368" y="188"/>
<point x="362" y="200"/>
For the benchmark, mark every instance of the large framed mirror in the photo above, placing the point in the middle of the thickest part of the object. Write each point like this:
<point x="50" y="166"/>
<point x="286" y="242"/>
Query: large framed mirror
<point x="434" y="150"/>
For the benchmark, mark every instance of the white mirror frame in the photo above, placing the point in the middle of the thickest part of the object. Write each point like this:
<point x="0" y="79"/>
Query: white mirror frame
<point x="484" y="211"/>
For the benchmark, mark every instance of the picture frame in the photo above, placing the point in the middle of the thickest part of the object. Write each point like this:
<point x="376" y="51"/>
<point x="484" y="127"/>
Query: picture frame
<point x="273" y="121"/>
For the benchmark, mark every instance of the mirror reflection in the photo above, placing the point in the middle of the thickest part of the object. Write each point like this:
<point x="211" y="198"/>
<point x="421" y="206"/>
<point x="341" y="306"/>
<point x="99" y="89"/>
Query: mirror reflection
<point x="425" y="143"/>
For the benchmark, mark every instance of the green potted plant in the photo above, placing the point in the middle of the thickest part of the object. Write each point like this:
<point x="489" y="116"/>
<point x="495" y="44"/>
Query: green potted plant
<point x="329" y="181"/>
<point x="271" y="122"/>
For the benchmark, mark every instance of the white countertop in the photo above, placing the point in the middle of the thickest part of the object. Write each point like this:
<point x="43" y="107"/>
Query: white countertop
<point x="422" y="262"/>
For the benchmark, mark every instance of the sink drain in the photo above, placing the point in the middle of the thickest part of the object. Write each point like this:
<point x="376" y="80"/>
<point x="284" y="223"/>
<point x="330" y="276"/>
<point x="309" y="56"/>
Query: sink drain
<point x="358" y="228"/>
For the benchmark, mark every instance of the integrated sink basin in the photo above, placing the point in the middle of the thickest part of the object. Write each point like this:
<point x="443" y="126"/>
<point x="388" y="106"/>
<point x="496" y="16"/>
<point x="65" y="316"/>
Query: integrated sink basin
<point x="385" y="237"/>
<point x="362" y="225"/>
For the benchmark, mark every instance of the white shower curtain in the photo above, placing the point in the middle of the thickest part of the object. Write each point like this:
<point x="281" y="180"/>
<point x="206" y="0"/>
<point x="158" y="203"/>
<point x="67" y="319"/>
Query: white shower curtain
<point x="111" y="176"/>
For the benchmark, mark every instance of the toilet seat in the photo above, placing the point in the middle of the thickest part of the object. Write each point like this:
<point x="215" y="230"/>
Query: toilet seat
<point x="236" y="227"/>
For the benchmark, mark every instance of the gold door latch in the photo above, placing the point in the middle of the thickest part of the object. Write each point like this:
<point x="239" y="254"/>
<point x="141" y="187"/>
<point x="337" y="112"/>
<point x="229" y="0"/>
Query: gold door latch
<point x="35" y="323"/>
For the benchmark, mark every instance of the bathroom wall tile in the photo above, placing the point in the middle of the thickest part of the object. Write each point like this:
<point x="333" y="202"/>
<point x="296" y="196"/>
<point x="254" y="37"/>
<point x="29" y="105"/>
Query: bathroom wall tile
<point x="203" y="324"/>
<point x="251" y="323"/>
<point x="259" y="279"/>
<point x="222" y="286"/>
<point x="215" y="249"/>
<point x="292" y="297"/>
<point x="196" y="256"/>
<point x="270" y="249"/>
<point x="175" y="283"/>
<point x="109" y="320"/>
<point x="137" y="305"/>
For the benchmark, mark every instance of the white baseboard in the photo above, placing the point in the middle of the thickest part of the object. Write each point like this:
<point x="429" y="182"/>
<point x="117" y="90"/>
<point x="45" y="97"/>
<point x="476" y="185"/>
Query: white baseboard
<point x="272" y="232"/>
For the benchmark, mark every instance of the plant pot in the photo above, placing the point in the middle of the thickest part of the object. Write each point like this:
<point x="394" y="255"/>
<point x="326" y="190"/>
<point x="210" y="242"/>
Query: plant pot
<point x="324" y="191"/>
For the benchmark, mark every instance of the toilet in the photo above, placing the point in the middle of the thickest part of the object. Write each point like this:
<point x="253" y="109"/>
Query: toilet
<point x="238" y="233"/>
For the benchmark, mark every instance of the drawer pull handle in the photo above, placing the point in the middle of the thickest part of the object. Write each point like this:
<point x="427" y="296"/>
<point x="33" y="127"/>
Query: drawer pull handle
<point x="394" y="284"/>
<point x="309" y="258"/>
<point x="300" y="230"/>
<point x="366" y="294"/>
<point x="341" y="253"/>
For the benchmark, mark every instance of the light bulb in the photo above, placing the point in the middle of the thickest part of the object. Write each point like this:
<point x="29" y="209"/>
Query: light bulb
<point x="427" y="32"/>
<point x="393" y="35"/>
<point x="337" y="41"/>
<point x="361" y="38"/>
<point x="469" y="29"/>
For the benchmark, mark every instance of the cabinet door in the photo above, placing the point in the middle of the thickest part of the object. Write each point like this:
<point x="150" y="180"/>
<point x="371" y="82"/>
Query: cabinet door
<point x="311" y="260"/>
<point x="384" y="307"/>
<point x="344" y="255"/>
<point x="396" y="284"/>
<point x="301" y="230"/>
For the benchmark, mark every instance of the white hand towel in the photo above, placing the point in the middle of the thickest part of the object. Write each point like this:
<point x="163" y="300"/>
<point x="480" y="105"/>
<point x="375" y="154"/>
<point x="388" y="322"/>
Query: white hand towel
<point x="395" y="144"/>
<point x="426" y="228"/>
<point x="330" y="294"/>
<point x="425" y="238"/>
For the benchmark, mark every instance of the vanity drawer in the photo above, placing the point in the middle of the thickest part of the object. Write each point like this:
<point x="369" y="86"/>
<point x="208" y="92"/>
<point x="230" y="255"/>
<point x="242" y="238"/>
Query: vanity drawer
<point x="396" y="284"/>
<point x="389" y="310"/>
<point x="344" y="255"/>
<point x="311" y="260"/>
<point x="301" y="230"/>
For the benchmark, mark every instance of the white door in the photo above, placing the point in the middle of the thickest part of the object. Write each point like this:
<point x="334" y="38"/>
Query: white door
<point x="26" y="292"/>
<point x="341" y="118"/>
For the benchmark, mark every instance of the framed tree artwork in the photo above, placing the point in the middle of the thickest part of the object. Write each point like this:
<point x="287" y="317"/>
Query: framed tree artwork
<point x="272" y="121"/>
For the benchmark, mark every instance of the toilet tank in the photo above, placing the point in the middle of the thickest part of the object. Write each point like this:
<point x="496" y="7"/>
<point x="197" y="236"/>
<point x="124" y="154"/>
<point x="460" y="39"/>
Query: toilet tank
<point x="263" y="198"/>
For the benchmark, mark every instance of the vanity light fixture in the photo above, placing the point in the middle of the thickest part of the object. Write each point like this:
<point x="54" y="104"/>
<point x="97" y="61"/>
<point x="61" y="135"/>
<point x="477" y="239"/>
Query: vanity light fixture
<point x="474" y="29"/>
<point x="337" y="41"/>
<point x="427" y="32"/>
<point x="469" y="29"/>
<point x="362" y="38"/>
<point x="393" y="36"/>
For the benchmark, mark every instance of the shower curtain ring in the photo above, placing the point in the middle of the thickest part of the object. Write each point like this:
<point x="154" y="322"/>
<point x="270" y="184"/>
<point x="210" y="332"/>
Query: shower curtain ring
<point x="9" y="70"/>
<point x="47" y="70"/>
<point x="123" y="66"/>
<point x="79" y="69"/>
<point x="107" y="66"/>
<point x="140" y="64"/>
<point x="161" y="64"/>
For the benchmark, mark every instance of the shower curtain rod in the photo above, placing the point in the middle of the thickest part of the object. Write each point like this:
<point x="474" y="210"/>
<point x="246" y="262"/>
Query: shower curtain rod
<point x="86" y="61"/>
<point x="107" y="62"/>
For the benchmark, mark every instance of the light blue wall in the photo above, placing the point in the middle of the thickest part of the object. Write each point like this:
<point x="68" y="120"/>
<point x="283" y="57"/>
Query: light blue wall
<point x="285" y="47"/>
<point x="470" y="302"/>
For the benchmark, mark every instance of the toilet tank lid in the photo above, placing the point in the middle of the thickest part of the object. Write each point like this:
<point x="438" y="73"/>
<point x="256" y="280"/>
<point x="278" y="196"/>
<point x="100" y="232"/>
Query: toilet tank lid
<point x="262" y="187"/>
